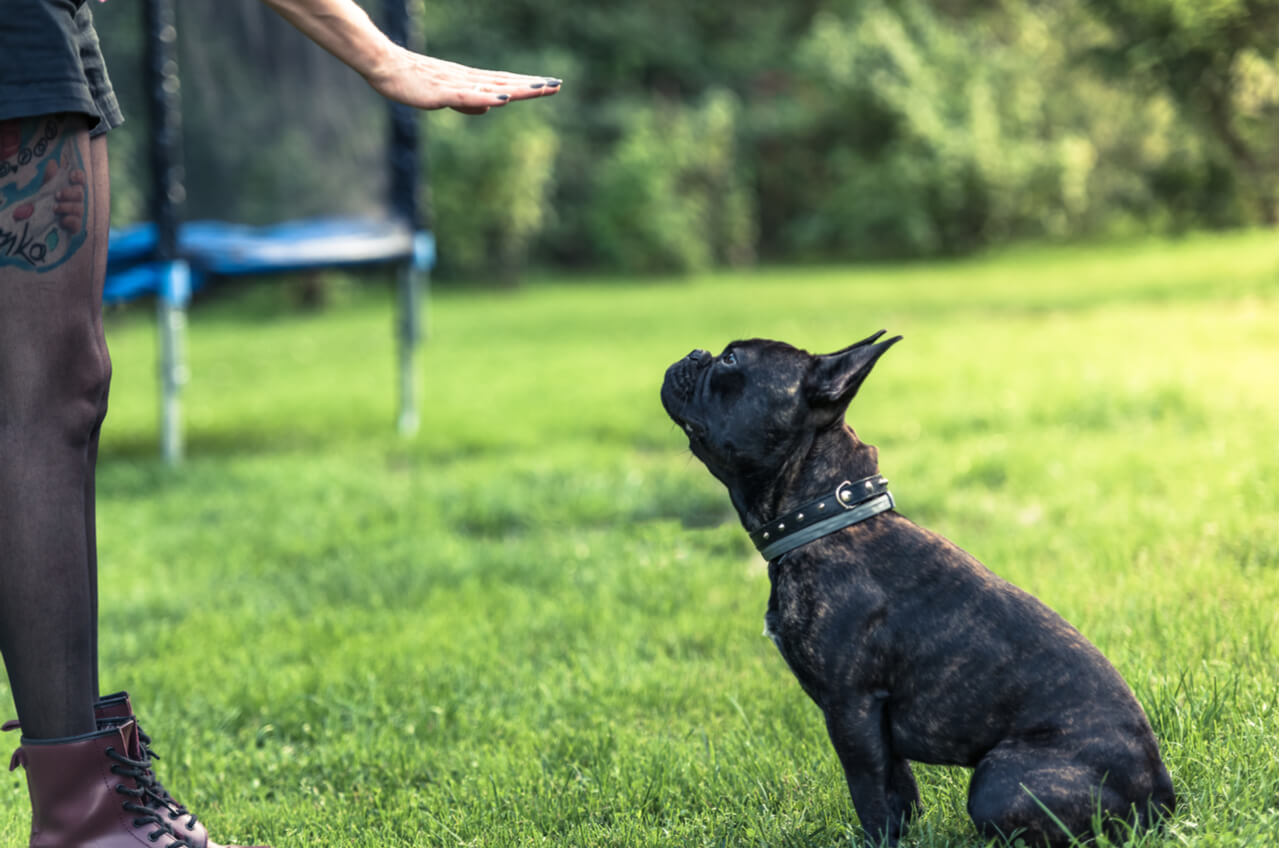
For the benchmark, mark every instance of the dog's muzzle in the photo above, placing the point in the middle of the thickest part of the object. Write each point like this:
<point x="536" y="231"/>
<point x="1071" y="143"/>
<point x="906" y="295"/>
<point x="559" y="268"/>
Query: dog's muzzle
<point x="680" y="381"/>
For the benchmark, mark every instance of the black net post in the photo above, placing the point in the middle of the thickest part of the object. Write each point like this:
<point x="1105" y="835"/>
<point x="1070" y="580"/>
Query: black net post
<point x="167" y="195"/>
<point x="402" y="156"/>
<point x="403" y="141"/>
<point x="165" y="115"/>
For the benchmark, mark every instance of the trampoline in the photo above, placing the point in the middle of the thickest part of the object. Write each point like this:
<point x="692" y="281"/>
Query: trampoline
<point x="168" y="258"/>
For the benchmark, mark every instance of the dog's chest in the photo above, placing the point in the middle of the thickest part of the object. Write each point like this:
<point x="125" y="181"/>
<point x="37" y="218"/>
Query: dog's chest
<point x="772" y="616"/>
<point x="771" y="629"/>
<point x="814" y="633"/>
<point x="792" y="645"/>
<point x="798" y="606"/>
<point x="787" y="630"/>
<point x="794" y="632"/>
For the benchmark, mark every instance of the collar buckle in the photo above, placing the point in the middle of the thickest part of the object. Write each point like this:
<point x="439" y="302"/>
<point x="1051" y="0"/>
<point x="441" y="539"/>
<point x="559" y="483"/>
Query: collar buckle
<point x="849" y="495"/>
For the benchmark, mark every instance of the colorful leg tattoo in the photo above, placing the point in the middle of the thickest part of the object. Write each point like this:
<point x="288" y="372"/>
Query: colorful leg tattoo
<point x="43" y="193"/>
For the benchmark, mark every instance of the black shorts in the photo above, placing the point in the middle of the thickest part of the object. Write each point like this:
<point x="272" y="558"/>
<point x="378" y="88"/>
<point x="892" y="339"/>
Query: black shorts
<point x="50" y="62"/>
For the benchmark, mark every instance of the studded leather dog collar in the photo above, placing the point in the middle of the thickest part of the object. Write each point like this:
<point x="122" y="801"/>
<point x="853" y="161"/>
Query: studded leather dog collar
<point x="846" y="506"/>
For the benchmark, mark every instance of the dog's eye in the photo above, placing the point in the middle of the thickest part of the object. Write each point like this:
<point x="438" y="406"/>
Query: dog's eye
<point x="729" y="358"/>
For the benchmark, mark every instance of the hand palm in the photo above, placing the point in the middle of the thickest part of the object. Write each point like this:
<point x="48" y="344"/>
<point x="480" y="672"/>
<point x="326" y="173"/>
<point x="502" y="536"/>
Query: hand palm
<point x="428" y="83"/>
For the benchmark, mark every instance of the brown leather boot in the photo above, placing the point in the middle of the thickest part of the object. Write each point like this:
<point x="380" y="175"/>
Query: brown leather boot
<point x="116" y="709"/>
<point x="92" y="790"/>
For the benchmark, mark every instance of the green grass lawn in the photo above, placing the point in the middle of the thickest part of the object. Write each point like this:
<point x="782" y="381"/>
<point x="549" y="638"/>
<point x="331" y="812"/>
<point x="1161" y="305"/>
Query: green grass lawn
<point x="538" y="622"/>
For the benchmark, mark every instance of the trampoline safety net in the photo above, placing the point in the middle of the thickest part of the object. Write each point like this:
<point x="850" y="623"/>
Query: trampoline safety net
<point x="248" y="149"/>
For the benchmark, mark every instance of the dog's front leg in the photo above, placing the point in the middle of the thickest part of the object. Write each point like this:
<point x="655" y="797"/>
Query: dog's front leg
<point x="903" y="793"/>
<point x="881" y="785"/>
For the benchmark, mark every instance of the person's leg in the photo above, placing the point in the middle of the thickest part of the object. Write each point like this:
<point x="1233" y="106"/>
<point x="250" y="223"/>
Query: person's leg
<point x="54" y="372"/>
<point x="100" y="224"/>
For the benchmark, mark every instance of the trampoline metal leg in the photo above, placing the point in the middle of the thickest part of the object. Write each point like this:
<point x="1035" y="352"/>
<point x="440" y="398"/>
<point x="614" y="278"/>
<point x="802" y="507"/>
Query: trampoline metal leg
<point x="412" y="282"/>
<point x="172" y="325"/>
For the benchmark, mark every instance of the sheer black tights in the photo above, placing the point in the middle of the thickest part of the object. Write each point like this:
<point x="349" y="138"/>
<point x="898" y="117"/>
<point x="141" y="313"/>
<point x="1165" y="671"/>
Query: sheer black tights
<point x="54" y="373"/>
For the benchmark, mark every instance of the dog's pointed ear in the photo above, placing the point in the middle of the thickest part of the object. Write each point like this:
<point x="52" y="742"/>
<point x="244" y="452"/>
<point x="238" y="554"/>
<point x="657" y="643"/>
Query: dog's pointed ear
<point x="835" y="378"/>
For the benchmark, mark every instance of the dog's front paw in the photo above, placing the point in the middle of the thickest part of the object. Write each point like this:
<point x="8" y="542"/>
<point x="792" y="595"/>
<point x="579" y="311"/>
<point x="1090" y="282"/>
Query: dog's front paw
<point x="883" y="837"/>
<point x="903" y="795"/>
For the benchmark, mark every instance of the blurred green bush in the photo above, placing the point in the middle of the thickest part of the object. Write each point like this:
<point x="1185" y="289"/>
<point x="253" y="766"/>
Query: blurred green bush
<point x="690" y="136"/>
<point x="670" y="192"/>
<point x="491" y="184"/>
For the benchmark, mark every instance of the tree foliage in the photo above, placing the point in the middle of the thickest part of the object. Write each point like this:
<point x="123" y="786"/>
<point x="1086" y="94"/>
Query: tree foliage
<point x="1215" y="59"/>
<point x="690" y="135"/>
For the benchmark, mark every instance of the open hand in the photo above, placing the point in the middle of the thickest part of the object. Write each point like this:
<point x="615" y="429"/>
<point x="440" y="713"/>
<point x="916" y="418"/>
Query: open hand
<point x="427" y="83"/>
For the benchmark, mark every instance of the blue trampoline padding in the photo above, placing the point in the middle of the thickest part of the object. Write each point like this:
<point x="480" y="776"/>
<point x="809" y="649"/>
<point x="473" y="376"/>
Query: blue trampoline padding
<point x="130" y="245"/>
<point x="218" y="248"/>
<point x="132" y="282"/>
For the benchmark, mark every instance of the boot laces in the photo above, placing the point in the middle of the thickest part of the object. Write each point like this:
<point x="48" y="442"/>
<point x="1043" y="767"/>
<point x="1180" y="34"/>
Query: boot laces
<point x="175" y="809"/>
<point x="147" y="797"/>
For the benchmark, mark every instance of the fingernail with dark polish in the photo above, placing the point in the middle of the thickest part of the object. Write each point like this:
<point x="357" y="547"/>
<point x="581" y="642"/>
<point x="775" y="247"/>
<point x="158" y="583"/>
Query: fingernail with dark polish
<point x="553" y="82"/>
<point x="537" y="85"/>
<point x="503" y="96"/>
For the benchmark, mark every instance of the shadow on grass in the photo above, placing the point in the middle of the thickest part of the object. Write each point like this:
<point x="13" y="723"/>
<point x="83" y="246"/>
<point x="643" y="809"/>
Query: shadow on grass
<point x="139" y="447"/>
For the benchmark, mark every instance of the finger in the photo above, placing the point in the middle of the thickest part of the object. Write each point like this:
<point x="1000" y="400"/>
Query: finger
<point x="50" y="172"/>
<point x="507" y="94"/>
<point x="547" y="89"/>
<point x="523" y="88"/>
<point x="71" y="223"/>
<point x="504" y="77"/>
<point x="476" y="100"/>
<point x="496" y="80"/>
<point x="71" y="194"/>
<point x="77" y="177"/>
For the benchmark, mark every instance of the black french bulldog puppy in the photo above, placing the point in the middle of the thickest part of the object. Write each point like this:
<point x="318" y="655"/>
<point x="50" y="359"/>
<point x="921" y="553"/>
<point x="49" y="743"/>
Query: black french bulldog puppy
<point x="910" y="646"/>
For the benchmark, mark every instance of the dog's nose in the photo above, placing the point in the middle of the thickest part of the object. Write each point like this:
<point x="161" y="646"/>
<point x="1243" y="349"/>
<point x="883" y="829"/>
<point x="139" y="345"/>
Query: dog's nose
<point x="699" y="356"/>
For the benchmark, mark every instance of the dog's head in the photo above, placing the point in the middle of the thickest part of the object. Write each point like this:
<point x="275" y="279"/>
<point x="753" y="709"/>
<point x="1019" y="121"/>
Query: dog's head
<point x="758" y="406"/>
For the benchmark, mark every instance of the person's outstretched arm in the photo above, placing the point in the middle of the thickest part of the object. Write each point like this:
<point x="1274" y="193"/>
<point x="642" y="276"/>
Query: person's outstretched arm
<point x="343" y="28"/>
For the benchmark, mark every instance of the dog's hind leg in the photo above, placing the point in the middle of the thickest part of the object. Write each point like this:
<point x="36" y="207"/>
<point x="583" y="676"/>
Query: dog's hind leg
<point x="1021" y="793"/>
<point x="1048" y="797"/>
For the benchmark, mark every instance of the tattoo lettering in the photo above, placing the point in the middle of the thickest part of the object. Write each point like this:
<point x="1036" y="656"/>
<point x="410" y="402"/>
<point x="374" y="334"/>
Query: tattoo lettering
<point x="43" y="194"/>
